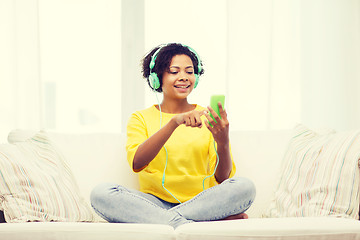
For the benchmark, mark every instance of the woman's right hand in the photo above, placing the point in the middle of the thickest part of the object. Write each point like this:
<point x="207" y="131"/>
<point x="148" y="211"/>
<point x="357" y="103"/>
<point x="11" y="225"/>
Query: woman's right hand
<point x="147" y="151"/>
<point x="189" y="119"/>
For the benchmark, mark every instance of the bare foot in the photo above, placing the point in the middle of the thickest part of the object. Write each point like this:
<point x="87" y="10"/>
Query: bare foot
<point x="237" y="216"/>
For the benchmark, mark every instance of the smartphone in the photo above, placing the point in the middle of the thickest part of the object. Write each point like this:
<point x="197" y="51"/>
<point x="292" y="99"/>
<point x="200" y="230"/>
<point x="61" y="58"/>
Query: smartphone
<point x="214" y="104"/>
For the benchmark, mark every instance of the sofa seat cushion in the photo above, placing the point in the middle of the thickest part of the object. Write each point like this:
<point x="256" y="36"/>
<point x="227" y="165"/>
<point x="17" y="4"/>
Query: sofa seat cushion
<point x="81" y="230"/>
<point x="325" y="228"/>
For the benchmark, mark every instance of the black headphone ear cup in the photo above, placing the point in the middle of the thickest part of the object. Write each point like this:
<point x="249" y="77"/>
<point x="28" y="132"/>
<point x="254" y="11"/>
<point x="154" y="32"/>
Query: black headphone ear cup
<point x="154" y="81"/>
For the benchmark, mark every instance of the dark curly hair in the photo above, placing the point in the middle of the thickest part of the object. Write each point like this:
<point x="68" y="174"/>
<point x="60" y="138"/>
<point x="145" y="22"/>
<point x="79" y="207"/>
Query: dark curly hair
<point x="163" y="60"/>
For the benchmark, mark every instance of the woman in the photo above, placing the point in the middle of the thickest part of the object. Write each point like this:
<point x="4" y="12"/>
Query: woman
<point x="181" y="154"/>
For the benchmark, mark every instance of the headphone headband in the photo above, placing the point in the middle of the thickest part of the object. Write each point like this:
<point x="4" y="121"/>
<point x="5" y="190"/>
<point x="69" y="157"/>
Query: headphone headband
<point x="154" y="79"/>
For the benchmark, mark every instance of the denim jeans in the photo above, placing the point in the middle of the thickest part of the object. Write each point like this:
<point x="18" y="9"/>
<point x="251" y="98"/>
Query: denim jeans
<point x="116" y="203"/>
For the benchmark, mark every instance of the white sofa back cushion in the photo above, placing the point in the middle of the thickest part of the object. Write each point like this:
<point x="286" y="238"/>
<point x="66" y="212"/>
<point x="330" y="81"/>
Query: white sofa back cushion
<point x="101" y="157"/>
<point x="36" y="184"/>
<point x="93" y="157"/>
<point x="258" y="156"/>
<point x="320" y="175"/>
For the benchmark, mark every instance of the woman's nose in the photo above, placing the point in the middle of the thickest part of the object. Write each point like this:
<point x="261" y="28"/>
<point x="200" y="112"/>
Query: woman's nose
<point x="183" y="76"/>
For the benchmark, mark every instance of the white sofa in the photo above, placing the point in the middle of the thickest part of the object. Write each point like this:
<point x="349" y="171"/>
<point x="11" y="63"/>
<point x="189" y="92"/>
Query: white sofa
<point x="100" y="157"/>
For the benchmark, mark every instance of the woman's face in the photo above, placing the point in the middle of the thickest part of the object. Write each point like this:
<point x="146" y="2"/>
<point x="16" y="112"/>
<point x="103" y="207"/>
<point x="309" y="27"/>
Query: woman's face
<point x="178" y="81"/>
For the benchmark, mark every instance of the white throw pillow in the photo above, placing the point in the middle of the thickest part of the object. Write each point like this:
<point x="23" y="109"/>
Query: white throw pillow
<point x="36" y="184"/>
<point x="319" y="176"/>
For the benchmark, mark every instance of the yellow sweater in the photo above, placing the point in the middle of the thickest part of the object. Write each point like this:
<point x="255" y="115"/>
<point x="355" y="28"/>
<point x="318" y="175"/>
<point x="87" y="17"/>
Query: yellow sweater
<point x="191" y="156"/>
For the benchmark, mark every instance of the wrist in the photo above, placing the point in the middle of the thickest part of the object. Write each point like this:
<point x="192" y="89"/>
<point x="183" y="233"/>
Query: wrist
<point x="224" y="145"/>
<point x="173" y="123"/>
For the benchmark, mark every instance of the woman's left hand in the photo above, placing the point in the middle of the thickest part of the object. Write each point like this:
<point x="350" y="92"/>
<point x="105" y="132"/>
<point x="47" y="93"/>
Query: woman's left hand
<point x="220" y="127"/>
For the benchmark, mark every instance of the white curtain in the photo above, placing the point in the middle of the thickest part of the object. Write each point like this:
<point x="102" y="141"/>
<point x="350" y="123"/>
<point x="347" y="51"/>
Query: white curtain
<point x="330" y="60"/>
<point x="60" y="65"/>
<point x="294" y="61"/>
<point x="279" y="62"/>
<point x="20" y="88"/>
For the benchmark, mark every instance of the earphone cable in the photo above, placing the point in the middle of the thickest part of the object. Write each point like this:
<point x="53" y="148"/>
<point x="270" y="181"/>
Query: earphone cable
<point x="167" y="156"/>
<point x="216" y="165"/>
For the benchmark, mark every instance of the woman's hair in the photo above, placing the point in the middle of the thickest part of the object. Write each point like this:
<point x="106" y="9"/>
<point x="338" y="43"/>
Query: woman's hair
<point x="163" y="60"/>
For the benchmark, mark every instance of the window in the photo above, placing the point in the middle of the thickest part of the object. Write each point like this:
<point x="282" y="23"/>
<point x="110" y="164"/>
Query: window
<point x="81" y="64"/>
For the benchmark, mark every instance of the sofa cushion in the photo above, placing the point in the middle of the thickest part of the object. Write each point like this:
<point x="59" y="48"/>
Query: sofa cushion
<point x="36" y="184"/>
<point x="310" y="228"/>
<point x="88" y="231"/>
<point x="258" y="155"/>
<point x="319" y="175"/>
<point x="93" y="157"/>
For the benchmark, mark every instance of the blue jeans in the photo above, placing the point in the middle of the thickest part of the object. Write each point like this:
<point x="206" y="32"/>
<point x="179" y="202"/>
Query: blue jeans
<point x="116" y="203"/>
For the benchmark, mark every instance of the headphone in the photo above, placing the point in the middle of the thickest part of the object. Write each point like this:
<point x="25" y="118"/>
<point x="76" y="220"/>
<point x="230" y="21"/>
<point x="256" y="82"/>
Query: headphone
<point x="153" y="77"/>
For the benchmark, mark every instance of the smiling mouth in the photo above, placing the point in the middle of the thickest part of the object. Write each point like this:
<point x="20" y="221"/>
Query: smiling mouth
<point x="183" y="87"/>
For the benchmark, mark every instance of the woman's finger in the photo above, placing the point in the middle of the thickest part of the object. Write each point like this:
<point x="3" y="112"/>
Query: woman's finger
<point x="222" y="111"/>
<point x="214" y="114"/>
<point x="193" y="118"/>
<point x="210" y="120"/>
<point x="198" y="119"/>
<point x="207" y="124"/>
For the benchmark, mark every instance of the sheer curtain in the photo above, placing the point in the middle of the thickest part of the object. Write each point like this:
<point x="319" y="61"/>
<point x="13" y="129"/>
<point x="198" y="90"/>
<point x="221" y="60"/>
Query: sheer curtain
<point x="201" y="24"/>
<point x="60" y="65"/>
<point x="279" y="62"/>
<point x="81" y="64"/>
<point x="20" y="88"/>
<point x="330" y="60"/>
<point x="294" y="61"/>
